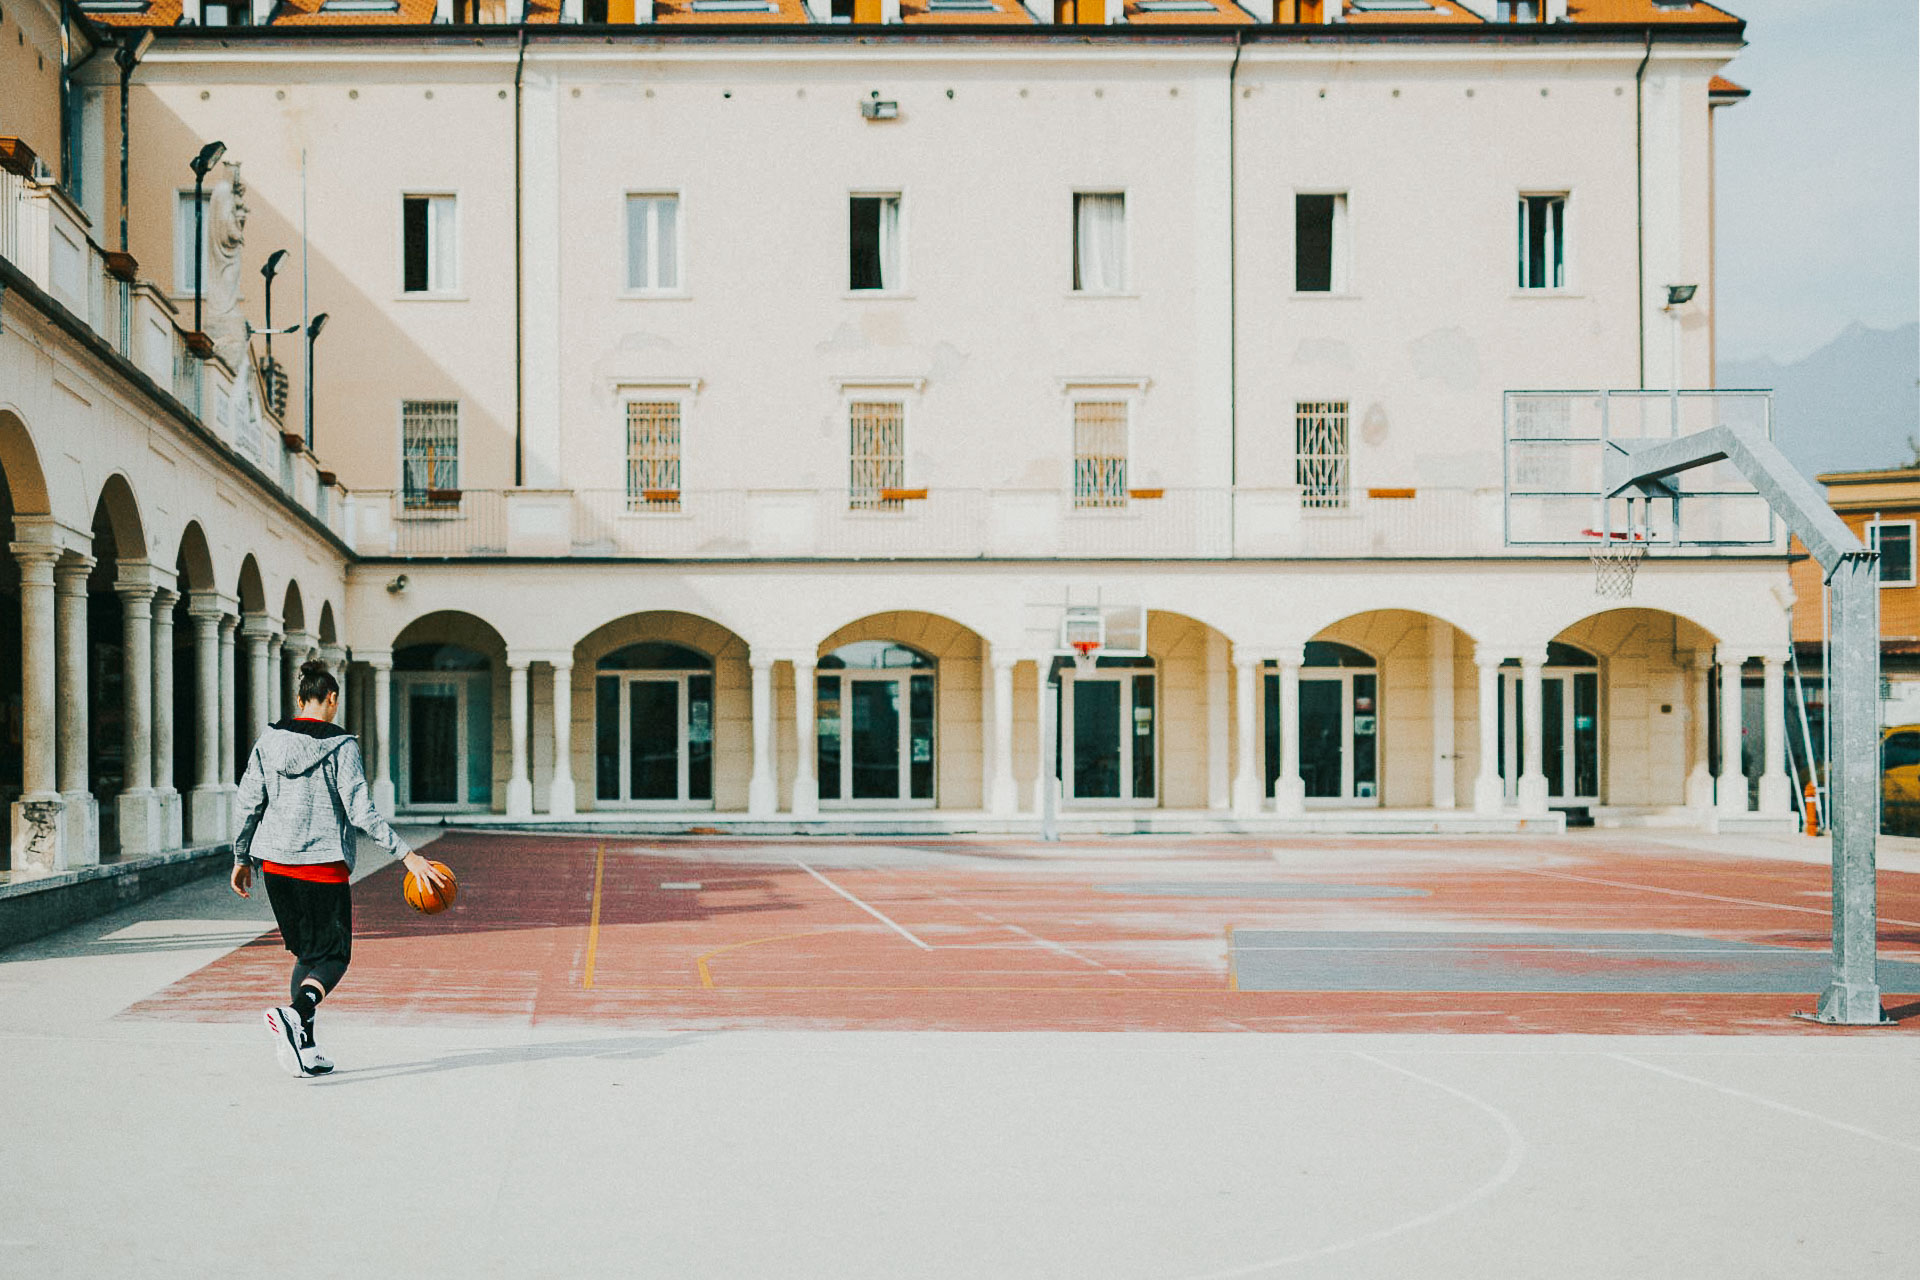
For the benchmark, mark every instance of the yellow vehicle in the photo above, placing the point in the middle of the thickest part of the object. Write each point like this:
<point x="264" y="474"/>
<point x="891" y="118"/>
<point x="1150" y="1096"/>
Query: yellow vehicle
<point x="1900" y="780"/>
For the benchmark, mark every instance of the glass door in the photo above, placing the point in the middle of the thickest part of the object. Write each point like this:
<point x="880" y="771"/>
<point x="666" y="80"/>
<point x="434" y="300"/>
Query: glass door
<point x="1339" y="737"/>
<point x="1109" y="736"/>
<point x="1569" y="734"/>
<point x="433" y="744"/>
<point x="876" y="738"/>
<point x="655" y="744"/>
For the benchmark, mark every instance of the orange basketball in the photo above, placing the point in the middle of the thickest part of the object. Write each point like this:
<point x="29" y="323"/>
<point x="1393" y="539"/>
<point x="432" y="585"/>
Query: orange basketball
<point x="422" y="896"/>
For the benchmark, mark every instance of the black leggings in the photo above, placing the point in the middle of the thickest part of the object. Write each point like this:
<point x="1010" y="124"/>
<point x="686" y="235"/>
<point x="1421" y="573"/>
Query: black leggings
<point x="316" y="922"/>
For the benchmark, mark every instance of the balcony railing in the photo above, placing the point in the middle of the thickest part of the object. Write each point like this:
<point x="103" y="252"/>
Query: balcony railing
<point x="944" y="524"/>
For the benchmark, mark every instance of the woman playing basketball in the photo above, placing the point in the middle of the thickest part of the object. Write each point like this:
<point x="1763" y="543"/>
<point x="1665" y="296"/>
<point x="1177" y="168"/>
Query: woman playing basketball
<point x="304" y="792"/>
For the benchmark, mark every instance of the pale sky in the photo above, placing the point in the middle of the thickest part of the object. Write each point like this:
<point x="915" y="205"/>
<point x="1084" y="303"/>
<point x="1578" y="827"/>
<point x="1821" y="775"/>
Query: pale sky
<point x="1819" y="175"/>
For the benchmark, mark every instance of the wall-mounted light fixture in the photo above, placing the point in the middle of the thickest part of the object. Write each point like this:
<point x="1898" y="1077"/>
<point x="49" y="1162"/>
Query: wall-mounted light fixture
<point x="877" y="109"/>
<point x="398" y="584"/>
<point x="1679" y="295"/>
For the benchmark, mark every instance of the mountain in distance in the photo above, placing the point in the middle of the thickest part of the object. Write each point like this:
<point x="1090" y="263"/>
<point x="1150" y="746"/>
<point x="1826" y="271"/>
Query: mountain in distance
<point x="1850" y="406"/>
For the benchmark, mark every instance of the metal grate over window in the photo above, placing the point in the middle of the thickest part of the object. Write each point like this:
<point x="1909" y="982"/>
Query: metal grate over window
<point x="1320" y="452"/>
<point x="653" y="455"/>
<point x="878" y="454"/>
<point x="430" y="451"/>
<point x="1100" y="453"/>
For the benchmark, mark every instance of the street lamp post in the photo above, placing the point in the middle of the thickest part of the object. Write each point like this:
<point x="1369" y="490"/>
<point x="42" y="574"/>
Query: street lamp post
<point x="208" y="157"/>
<point x="313" y="332"/>
<point x="267" y="270"/>
<point x="1678" y="296"/>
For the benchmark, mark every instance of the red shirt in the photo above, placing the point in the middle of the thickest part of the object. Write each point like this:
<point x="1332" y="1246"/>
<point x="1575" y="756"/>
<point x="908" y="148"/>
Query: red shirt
<point x="318" y="873"/>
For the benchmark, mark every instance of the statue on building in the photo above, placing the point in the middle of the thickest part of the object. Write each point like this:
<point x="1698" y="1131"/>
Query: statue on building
<point x="226" y="233"/>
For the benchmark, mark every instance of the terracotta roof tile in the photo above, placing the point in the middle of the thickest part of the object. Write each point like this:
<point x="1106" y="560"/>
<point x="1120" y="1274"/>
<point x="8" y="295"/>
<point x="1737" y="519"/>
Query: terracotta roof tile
<point x="1643" y="11"/>
<point x="320" y="13"/>
<point x="159" y="13"/>
<point x="1722" y="87"/>
<point x="789" y="12"/>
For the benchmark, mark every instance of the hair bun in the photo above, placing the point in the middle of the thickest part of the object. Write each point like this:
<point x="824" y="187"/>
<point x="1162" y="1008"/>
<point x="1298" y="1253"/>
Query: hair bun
<point x="313" y="667"/>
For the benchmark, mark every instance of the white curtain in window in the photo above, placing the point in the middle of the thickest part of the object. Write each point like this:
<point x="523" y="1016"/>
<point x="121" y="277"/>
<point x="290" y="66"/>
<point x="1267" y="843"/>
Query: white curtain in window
<point x="890" y="243"/>
<point x="666" y="213"/>
<point x="1101" y="233"/>
<point x="441" y="245"/>
<point x="639" y="243"/>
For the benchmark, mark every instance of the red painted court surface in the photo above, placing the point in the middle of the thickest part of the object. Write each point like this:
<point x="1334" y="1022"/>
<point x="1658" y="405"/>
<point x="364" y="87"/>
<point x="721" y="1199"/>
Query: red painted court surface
<point x="1580" y="934"/>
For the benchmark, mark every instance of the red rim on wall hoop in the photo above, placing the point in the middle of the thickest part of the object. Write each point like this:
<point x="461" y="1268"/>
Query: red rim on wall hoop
<point x="1086" y="656"/>
<point x="1616" y="556"/>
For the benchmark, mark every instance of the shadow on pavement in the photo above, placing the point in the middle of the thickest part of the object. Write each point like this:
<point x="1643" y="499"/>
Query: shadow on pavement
<point x="634" y="1048"/>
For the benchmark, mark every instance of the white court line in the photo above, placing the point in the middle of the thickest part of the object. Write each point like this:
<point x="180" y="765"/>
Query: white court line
<point x="1497" y="949"/>
<point x="1705" y="897"/>
<point x="1732" y="1092"/>
<point x="1516" y="1154"/>
<point x="863" y="906"/>
<point x="1056" y="947"/>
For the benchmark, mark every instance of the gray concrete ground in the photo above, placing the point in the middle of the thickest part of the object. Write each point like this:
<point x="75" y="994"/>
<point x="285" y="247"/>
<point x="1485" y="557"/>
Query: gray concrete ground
<point x="156" y="1149"/>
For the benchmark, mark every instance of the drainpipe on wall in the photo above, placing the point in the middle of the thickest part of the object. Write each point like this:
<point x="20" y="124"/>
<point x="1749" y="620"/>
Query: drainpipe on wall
<point x="1233" y="299"/>
<point x="1640" y="211"/>
<point x="519" y="286"/>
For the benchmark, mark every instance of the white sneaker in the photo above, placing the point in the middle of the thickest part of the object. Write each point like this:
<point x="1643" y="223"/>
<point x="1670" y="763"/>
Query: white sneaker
<point x="314" y="1063"/>
<point x="284" y="1023"/>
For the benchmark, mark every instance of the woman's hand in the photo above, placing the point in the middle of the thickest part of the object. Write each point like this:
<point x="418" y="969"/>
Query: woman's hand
<point x="242" y="878"/>
<point x="425" y="871"/>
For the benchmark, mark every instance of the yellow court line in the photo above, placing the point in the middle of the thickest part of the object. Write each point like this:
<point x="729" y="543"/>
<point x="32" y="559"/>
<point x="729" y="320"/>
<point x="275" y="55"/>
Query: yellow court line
<point x="593" y="924"/>
<point x="700" y="961"/>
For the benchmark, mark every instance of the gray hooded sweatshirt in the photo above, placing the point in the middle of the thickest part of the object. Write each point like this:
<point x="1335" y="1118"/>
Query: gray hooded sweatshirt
<point x="304" y="791"/>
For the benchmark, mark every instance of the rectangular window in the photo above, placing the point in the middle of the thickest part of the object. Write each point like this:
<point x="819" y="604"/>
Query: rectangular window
<point x="653" y="455"/>
<point x="653" y="242"/>
<point x="1099" y="242"/>
<point x="1894" y="541"/>
<point x="873" y="238"/>
<point x="1518" y="11"/>
<point x="427" y="244"/>
<point x="1320" y="452"/>
<point x="878" y="453"/>
<point x="183" y="233"/>
<point x="1320" y="243"/>
<point x="1543" y="242"/>
<point x="1100" y="453"/>
<point x="430" y="451"/>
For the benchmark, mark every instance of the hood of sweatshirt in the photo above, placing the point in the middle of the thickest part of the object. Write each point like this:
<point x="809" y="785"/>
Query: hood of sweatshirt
<point x="293" y="747"/>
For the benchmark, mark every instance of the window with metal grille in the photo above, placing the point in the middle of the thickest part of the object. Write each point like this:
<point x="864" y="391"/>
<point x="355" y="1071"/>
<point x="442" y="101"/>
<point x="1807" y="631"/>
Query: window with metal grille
<point x="1320" y="452"/>
<point x="878" y="454"/>
<point x="430" y="451"/>
<point x="1100" y="453"/>
<point x="653" y="455"/>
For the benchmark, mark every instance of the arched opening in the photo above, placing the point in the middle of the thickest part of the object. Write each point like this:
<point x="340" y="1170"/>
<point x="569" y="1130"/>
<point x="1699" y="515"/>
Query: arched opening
<point x="447" y="735"/>
<point x="898" y="714"/>
<point x="1570" y="727"/>
<point x="293" y="611"/>
<point x="193" y="573"/>
<point x="20" y="486"/>
<point x="329" y="634"/>
<point x="1387" y="714"/>
<point x="251" y="592"/>
<point x="1646" y="680"/>
<point x="662" y="705"/>
<point x="118" y="535"/>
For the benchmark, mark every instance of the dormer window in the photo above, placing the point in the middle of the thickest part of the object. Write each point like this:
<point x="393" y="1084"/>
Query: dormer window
<point x="1518" y="11"/>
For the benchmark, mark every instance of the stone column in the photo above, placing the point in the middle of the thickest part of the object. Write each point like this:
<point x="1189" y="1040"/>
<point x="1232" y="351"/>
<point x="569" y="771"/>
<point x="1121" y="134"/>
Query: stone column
<point x="806" y="750"/>
<point x="1043" y="761"/>
<point x="1246" y="754"/>
<point x="229" y="709"/>
<point x="1533" y="778"/>
<point x="256" y="630"/>
<point x="1440" y="676"/>
<point x="38" y="816"/>
<point x="166" y="795"/>
<point x="383" y="796"/>
<point x="336" y="659"/>
<point x="82" y="830"/>
<point x="761" y="800"/>
<point x="1002" y="799"/>
<point x="208" y="802"/>
<point x="137" y="806"/>
<point x="1731" y="788"/>
<point x="1776" y="792"/>
<point x="1289" y="789"/>
<point x="1699" y="732"/>
<point x="275" y="676"/>
<point x="560" y="793"/>
<point x="519" y="785"/>
<point x="1489" y="793"/>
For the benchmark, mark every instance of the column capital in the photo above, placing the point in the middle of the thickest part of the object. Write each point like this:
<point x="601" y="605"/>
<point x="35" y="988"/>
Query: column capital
<point x="35" y="554"/>
<point x="1288" y="655"/>
<point x="552" y="657"/>
<point x="259" y="626"/>
<point x="229" y="623"/>
<point x="211" y="604"/>
<point x="516" y="662"/>
<point x="300" y="640"/>
<point x="800" y="658"/>
<point x="71" y="571"/>
<point x="136" y="596"/>
<point x="165" y="599"/>
<point x="1773" y="657"/>
<point x="334" y="655"/>
<point x="1003" y="662"/>
<point x="1247" y="658"/>
<point x="1486" y="657"/>
<point x="378" y="659"/>
<point x="133" y="573"/>
<point x="1728" y="655"/>
<point x="761" y="661"/>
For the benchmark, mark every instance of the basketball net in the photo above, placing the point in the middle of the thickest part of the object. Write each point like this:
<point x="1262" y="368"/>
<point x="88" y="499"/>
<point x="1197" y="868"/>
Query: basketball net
<point x="1086" y="656"/>
<point x="1615" y="557"/>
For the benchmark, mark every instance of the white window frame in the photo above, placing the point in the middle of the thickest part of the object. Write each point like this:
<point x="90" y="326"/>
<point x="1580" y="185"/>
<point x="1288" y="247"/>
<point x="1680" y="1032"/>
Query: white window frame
<point x="1124" y="677"/>
<point x="1913" y="551"/>
<point x="1129" y="284"/>
<point x="628" y="288"/>
<point x="1567" y="239"/>
<point x="680" y="677"/>
<point x="436" y="290"/>
<point x="182" y="233"/>
<point x="1347" y="505"/>
<point x="465" y="707"/>
<point x="900" y="288"/>
<point x="400" y="447"/>
<point x="1340" y="281"/>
